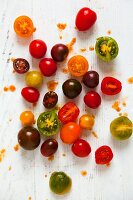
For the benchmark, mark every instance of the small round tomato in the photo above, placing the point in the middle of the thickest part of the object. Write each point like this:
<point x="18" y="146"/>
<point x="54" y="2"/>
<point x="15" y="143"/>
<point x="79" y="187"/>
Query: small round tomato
<point x="34" y="79"/>
<point x="21" y="65"/>
<point x="68" y="113"/>
<point x="48" y="66"/>
<point x="92" y="99"/>
<point x="78" y="65"/>
<point x="24" y="27"/>
<point x="49" y="147"/>
<point x="70" y="132"/>
<point x="50" y="99"/>
<point x="30" y="94"/>
<point x="87" y="121"/>
<point x="59" y="52"/>
<point x="103" y="155"/>
<point x="111" y="86"/>
<point x="81" y="148"/>
<point x="85" y="19"/>
<point x="27" y="118"/>
<point x="37" y="48"/>
<point x="91" y="79"/>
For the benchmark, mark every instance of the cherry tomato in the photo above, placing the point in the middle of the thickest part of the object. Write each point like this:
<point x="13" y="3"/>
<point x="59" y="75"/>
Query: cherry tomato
<point x="34" y="79"/>
<point x="27" y="118"/>
<point x="59" y="52"/>
<point x="87" y="121"/>
<point x="37" y="48"/>
<point x="49" y="147"/>
<point x="23" y="26"/>
<point x="30" y="94"/>
<point x="103" y="155"/>
<point x="92" y="99"/>
<point x="50" y="99"/>
<point x="68" y="113"/>
<point x="78" y="65"/>
<point x="21" y="65"/>
<point x="48" y="66"/>
<point x="91" y="79"/>
<point x="111" y="86"/>
<point x="81" y="148"/>
<point x="70" y="132"/>
<point x="85" y="19"/>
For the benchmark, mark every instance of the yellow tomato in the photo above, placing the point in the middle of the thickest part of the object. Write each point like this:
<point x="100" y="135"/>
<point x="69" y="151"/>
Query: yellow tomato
<point x="87" y="121"/>
<point x="27" y="118"/>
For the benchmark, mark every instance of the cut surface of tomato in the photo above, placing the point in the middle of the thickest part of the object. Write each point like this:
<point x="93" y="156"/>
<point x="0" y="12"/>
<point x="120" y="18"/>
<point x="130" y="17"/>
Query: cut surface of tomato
<point x="103" y="155"/>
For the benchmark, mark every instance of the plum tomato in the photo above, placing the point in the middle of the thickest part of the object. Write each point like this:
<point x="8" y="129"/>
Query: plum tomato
<point x="30" y="94"/>
<point x="81" y="148"/>
<point x="59" y="52"/>
<point x="71" y="88"/>
<point x="91" y="79"/>
<point x="111" y="86"/>
<point x="48" y="66"/>
<point x="92" y="99"/>
<point x="29" y="138"/>
<point x="50" y="99"/>
<point x="49" y="147"/>
<point x="78" y="65"/>
<point x="85" y="19"/>
<point x="27" y="118"/>
<point x="21" y="65"/>
<point x="103" y="155"/>
<point x="34" y="79"/>
<point x="87" y="121"/>
<point x="37" y="48"/>
<point x="106" y="48"/>
<point x="70" y="132"/>
<point x="68" y="113"/>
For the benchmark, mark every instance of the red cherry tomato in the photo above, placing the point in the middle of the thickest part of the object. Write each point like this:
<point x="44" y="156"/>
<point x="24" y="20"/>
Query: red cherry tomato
<point x="103" y="155"/>
<point x="37" y="48"/>
<point x="48" y="66"/>
<point x="111" y="86"/>
<point x="92" y="99"/>
<point x="30" y="94"/>
<point x="81" y="148"/>
<point x="85" y="19"/>
<point x="68" y="113"/>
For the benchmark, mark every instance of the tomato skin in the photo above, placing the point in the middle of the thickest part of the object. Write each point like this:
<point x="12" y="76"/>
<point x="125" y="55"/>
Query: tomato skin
<point x="81" y="148"/>
<point x="21" y="65"/>
<point x="85" y="19"/>
<point x="111" y="86"/>
<point x="68" y="113"/>
<point x="92" y="99"/>
<point x="49" y="147"/>
<point x="30" y="94"/>
<point x="103" y="155"/>
<point x="87" y="121"/>
<point x="27" y="118"/>
<point x="48" y="66"/>
<point x="37" y="48"/>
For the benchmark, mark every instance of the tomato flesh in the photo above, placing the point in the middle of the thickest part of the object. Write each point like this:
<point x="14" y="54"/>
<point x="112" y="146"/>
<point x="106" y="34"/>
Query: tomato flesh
<point x="103" y="155"/>
<point x="81" y="148"/>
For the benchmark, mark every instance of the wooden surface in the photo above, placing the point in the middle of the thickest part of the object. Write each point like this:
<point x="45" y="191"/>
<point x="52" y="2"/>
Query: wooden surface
<point x="28" y="169"/>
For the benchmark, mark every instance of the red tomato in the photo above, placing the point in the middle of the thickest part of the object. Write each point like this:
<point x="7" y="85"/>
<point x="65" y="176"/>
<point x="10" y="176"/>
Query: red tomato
<point x="30" y="94"/>
<point x="111" y="86"/>
<point x="103" y="155"/>
<point x="37" y="48"/>
<point x="85" y="19"/>
<point x="92" y="99"/>
<point x="68" y="113"/>
<point x="48" y="66"/>
<point x="81" y="148"/>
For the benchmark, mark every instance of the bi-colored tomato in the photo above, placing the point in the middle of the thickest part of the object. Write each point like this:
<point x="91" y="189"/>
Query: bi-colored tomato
<point x="30" y="94"/>
<point x="34" y="79"/>
<point x="37" y="48"/>
<point x="92" y="99"/>
<point x="81" y="148"/>
<point x="87" y="121"/>
<point x="50" y="99"/>
<point x="48" y="66"/>
<point x="103" y="155"/>
<point x="27" y="118"/>
<point x="21" y="65"/>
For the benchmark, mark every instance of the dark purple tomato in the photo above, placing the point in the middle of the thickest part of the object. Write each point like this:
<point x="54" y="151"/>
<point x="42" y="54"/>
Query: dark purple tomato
<point x="21" y="65"/>
<point x="50" y="99"/>
<point x="81" y="148"/>
<point x="29" y="138"/>
<point x="59" y="52"/>
<point x="91" y="79"/>
<point x="49" y="147"/>
<point x="30" y="94"/>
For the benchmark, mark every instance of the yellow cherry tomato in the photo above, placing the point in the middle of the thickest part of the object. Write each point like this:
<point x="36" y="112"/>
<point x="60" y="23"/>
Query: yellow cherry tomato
<point x="87" y="121"/>
<point x="27" y="118"/>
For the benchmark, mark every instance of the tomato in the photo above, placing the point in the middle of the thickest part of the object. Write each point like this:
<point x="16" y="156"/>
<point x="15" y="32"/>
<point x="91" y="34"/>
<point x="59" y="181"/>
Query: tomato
<point x="103" y="155"/>
<point x="21" y="65"/>
<point x="85" y="19"/>
<point x="68" y="113"/>
<point x="30" y="94"/>
<point x="49" y="147"/>
<point x="37" y="48"/>
<point x="81" y="148"/>
<point x="92" y="99"/>
<point x="91" y="79"/>
<point x="78" y="65"/>
<point x="59" y="52"/>
<point x="23" y="26"/>
<point x="87" y="121"/>
<point x="34" y="79"/>
<point x="48" y="66"/>
<point x="27" y="118"/>
<point x="70" y="132"/>
<point x="111" y="86"/>
<point x="50" y="99"/>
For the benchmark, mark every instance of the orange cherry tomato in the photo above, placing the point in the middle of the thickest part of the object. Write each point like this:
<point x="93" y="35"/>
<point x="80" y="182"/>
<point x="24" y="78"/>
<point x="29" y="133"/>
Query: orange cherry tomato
<point x="87" y="121"/>
<point x="27" y="118"/>
<point x="70" y="132"/>
<point x="23" y="26"/>
<point x="78" y="65"/>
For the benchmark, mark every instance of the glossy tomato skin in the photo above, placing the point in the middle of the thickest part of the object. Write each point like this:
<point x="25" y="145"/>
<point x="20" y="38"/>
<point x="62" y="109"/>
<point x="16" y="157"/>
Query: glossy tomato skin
<point x="50" y="99"/>
<point x="21" y="65"/>
<point x="81" y="148"/>
<point x="111" y="86"/>
<point x="91" y="79"/>
<point x="30" y="94"/>
<point x="92" y="99"/>
<point x="103" y="155"/>
<point x="48" y="66"/>
<point x="68" y="113"/>
<point x="59" y="52"/>
<point x="37" y="48"/>
<point x="49" y="147"/>
<point x="85" y="19"/>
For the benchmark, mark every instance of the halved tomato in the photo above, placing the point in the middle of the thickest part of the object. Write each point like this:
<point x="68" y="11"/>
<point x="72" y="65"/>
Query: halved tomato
<point x="103" y="155"/>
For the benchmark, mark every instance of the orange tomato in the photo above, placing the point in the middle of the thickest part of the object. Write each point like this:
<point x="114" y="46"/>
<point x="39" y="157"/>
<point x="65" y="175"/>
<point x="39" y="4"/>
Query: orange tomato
<point x="70" y="132"/>
<point x="23" y="26"/>
<point x="27" y="118"/>
<point x="78" y="65"/>
<point x="87" y="121"/>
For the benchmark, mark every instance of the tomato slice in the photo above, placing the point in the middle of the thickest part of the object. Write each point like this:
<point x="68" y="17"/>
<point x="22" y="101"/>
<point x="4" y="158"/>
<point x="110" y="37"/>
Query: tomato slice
<point x="111" y="86"/>
<point x="103" y="155"/>
<point x="68" y="113"/>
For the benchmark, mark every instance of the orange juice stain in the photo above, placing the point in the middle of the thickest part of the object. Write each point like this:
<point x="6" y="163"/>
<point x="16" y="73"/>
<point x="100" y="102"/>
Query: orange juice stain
<point x="84" y="173"/>
<point x="94" y="134"/>
<point x="116" y="106"/>
<point x="51" y="158"/>
<point x="61" y="26"/>
<point x="5" y="89"/>
<point x="65" y="70"/>
<point x="70" y="45"/>
<point x="91" y="48"/>
<point x="83" y="49"/>
<point x="52" y="85"/>
<point x="2" y="154"/>
<point x="12" y="88"/>
<point x="16" y="147"/>
<point x="130" y="80"/>
<point x="109" y="32"/>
